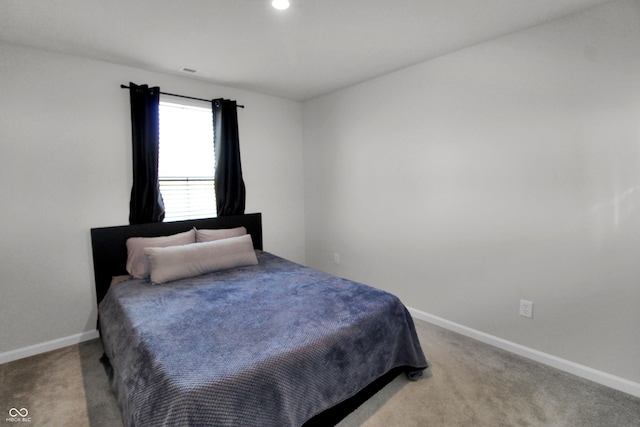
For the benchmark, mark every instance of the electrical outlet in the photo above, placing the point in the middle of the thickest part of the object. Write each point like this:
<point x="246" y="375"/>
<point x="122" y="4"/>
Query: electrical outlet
<point x="526" y="308"/>
<point x="336" y="258"/>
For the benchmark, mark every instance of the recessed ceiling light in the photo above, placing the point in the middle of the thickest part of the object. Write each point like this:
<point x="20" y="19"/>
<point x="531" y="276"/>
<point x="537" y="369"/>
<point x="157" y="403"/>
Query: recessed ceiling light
<point x="280" y="4"/>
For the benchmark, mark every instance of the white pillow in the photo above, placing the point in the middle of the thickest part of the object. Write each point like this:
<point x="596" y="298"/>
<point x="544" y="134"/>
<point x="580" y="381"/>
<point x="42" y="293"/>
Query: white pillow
<point x="137" y="263"/>
<point x="179" y="262"/>
<point x="223" y="233"/>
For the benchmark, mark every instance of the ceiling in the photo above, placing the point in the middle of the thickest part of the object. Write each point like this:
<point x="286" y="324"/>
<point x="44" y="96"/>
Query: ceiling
<point x="314" y="47"/>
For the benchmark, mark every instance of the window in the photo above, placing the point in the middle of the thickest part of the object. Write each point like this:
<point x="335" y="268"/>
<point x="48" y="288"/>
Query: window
<point x="186" y="161"/>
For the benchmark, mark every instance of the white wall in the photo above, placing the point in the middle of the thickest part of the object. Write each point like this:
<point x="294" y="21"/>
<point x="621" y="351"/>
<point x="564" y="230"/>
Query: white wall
<point x="504" y="171"/>
<point x="65" y="167"/>
<point x="508" y="170"/>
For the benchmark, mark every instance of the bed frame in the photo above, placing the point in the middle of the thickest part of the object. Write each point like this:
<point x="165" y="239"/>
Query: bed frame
<point x="110" y="257"/>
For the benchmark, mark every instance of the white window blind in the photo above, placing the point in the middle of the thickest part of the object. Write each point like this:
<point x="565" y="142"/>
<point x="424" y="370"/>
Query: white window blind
<point x="186" y="161"/>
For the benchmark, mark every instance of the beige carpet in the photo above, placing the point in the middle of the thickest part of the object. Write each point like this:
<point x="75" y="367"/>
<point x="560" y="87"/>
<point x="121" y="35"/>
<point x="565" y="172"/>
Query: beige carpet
<point x="472" y="384"/>
<point x="66" y="387"/>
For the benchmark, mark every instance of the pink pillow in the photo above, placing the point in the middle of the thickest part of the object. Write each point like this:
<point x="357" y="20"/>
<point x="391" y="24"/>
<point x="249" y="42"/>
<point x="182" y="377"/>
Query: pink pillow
<point x="224" y="233"/>
<point x="137" y="263"/>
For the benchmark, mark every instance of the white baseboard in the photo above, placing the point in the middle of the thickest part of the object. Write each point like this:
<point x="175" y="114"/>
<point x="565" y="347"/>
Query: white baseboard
<point x="591" y="374"/>
<point x="32" y="350"/>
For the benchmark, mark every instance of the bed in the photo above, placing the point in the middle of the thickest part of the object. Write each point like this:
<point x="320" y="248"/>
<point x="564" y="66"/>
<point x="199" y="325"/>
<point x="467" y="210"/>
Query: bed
<point x="264" y="343"/>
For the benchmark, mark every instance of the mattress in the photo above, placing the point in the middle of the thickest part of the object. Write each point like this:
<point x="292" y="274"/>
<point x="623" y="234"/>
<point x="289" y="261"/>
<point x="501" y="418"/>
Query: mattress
<point x="271" y="344"/>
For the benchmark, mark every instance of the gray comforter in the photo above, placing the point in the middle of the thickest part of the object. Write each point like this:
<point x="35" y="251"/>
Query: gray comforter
<point x="266" y="345"/>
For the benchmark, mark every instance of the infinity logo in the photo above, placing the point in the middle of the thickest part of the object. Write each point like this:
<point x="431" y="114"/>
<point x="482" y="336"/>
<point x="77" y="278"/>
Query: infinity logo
<point x="22" y="412"/>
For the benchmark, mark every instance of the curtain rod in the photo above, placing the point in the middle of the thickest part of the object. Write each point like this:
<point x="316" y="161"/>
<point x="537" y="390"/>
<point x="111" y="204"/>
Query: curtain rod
<point x="181" y="96"/>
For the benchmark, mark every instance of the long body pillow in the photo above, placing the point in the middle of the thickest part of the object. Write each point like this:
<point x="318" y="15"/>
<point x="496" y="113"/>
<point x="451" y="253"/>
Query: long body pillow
<point x="137" y="263"/>
<point x="179" y="262"/>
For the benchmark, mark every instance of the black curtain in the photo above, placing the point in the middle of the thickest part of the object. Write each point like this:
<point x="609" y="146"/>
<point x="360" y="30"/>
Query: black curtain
<point x="146" y="201"/>
<point x="230" y="189"/>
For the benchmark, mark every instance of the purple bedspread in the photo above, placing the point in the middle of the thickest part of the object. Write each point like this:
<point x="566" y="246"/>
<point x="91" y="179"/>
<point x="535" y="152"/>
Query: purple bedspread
<point x="266" y="345"/>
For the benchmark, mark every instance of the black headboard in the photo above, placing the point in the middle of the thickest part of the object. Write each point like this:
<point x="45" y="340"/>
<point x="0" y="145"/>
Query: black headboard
<point x="110" y="250"/>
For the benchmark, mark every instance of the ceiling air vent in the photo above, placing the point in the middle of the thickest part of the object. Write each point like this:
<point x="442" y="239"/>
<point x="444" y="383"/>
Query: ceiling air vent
<point x="194" y="72"/>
